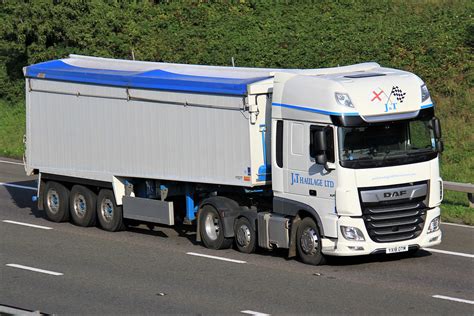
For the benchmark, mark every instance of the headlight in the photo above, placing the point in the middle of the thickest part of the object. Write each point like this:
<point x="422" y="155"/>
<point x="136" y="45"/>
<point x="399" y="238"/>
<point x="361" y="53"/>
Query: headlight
<point x="352" y="233"/>
<point x="425" y="94"/>
<point x="434" y="225"/>
<point x="343" y="99"/>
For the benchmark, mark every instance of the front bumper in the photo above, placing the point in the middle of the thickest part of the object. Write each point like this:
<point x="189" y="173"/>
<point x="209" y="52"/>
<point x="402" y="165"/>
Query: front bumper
<point x="343" y="247"/>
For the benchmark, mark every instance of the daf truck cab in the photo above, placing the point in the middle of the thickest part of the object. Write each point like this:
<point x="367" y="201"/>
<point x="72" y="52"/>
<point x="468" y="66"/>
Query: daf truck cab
<point x="359" y="151"/>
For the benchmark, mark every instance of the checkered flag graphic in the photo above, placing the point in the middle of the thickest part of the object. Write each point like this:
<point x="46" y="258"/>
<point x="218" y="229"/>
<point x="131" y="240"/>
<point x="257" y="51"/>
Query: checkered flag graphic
<point x="398" y="93"/>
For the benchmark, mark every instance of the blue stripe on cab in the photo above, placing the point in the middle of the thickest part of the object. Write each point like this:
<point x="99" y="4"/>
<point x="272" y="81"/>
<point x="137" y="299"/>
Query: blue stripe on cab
<point x="302" y="108"/>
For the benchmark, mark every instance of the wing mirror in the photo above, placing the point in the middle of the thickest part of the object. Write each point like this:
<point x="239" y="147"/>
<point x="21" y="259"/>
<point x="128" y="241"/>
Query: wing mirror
<point x="436" y="126"/>
<point x="318" y="148"/>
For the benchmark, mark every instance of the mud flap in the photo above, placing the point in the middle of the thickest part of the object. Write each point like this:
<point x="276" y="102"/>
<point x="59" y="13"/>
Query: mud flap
<point x="198" y="230"/>
<point x="294" y="227"/>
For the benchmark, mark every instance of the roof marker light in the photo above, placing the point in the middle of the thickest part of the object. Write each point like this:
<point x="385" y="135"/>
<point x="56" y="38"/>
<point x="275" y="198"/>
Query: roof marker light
<point x="425" y="94"/>
<point x="344" y="99"/>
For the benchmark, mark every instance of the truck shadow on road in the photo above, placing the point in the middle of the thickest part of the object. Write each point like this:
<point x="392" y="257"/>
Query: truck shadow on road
<point x="356" y="260"/>
<point x="22" y="198"/>
<point x="348" y="261"/>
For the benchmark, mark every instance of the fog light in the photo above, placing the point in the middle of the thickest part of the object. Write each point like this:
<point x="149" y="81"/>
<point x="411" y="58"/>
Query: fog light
<point x="434" y="225"/>
<point x="355" y="248"/>
<point x="352" y="233"/>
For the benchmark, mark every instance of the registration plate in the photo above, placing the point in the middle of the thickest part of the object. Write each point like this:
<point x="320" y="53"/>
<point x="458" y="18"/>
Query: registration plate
<point x="396" y="249"/>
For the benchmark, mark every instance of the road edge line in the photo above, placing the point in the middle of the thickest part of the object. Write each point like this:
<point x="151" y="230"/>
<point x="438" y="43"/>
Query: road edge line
<point x="12" y="162"/>
<point x="453" y="253"/>
<point x="457" y="225"/>
<point x="17" y="186"/>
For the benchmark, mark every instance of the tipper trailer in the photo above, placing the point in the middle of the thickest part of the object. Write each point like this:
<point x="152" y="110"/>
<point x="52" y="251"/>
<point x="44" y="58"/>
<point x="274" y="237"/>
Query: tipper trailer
<point x="339" y="161"/>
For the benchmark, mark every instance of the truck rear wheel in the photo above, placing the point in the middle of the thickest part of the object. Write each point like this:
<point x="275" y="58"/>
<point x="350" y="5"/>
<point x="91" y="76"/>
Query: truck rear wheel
<point x="110" y="214"/>
<point x="245" y="236"/>
<point x="56" y="202"/>
<point x="82" y="204"/>
<point x="308" y="242"/>
<point x="211" y="228"/>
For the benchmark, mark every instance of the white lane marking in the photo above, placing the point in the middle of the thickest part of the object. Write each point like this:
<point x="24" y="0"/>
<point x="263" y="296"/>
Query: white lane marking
<point x="12" y="162"/>
<point x="17" y="186"/>
<point x="19" y="266"/>
<point x="460" y="254"/>
<point x="214" y="257"/>
<point x="254" y="313"/>
<point x="458" y="225"/>
<point x="453" y="299"/>
<point x="16" y="311"/>
<point x="26" y="224"/>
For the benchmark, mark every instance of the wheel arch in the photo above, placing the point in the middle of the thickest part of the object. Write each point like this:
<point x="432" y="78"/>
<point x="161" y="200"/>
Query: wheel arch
<point x="228" y="210"/>
<point x="298" y="211"/>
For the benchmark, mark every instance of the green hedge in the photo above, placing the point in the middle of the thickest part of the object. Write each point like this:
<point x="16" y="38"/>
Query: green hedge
<point x="431" y="38"/>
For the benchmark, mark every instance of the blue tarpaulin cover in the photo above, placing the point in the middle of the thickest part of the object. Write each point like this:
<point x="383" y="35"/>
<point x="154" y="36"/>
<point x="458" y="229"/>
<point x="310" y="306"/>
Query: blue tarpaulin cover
<point x="155" y="79"/>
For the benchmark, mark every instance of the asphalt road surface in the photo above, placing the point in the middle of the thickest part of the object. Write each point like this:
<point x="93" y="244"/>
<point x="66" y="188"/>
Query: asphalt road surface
<point x="64" y="269"/>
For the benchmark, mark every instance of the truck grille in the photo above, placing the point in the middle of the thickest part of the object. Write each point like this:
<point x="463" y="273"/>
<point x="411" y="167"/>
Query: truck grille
<point x="394" y="213"/>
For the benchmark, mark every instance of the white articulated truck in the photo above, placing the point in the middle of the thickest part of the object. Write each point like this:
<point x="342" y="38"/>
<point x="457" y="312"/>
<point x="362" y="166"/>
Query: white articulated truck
<point x="339" y="161"/>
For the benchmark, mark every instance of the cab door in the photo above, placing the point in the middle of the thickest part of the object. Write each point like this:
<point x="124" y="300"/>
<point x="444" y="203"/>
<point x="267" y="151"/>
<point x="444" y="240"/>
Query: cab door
<point x="306" y="181"/>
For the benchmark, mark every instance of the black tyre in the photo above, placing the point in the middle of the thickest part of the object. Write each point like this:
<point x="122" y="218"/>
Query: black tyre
<point x="308" y="242"/>
<point x="82" y="205"/>
<point x="109" y="214"/>
<point x="56" y="202"/>
<point x="245" y="235"/>
<point x="211" y="228"/>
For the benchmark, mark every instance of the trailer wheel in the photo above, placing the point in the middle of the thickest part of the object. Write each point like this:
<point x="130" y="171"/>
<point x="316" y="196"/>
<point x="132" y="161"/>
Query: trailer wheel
<point x="211" y="228"/>
<point x="56" y="202"/>
<point x="108" y="212"/>
<point x="308" y="242"/>
<point x="245" y="236"/>
<point x="82" y="204"/>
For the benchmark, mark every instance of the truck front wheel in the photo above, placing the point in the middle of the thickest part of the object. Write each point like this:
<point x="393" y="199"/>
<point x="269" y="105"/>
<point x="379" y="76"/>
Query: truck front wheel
<point x="56" y="202"/>
<point x="108" y="212"/>
<point x="308" y="242"/>
<point x="211" y="228"/>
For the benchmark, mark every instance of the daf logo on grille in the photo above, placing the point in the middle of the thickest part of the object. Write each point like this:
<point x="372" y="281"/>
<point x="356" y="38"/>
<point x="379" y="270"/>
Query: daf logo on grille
<point x="394" y="194"/>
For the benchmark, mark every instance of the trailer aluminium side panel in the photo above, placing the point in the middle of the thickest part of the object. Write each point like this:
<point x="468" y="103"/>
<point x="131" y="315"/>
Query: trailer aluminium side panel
<point x="97" y="132"/>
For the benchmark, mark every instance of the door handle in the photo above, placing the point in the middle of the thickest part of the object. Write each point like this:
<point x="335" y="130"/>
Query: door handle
<point x="313" y="192"/>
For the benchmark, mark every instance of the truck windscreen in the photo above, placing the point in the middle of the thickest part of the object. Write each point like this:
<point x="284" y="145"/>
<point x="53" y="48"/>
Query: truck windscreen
<point x="388" y="144"/>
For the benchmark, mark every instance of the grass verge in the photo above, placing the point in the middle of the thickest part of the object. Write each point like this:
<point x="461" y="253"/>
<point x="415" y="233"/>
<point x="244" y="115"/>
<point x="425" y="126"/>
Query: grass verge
<point x="12" y="129"/>
<point x="455" y="208"/>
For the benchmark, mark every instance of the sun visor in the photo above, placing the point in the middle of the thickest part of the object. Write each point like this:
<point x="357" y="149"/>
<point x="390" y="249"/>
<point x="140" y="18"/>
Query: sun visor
<point x="384" y="95"/>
